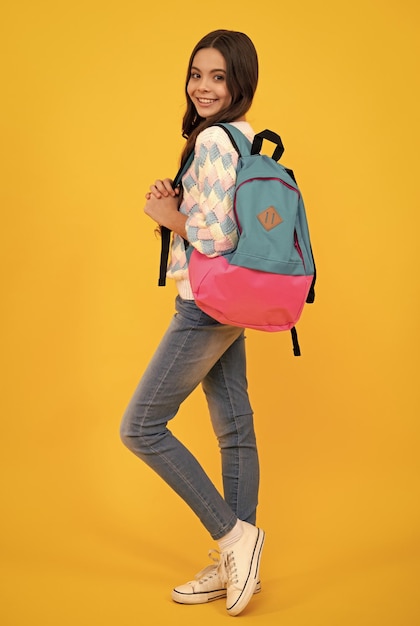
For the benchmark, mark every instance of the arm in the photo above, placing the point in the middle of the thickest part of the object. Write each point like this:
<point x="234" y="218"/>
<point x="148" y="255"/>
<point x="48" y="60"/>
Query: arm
<point x="208" y="195"/>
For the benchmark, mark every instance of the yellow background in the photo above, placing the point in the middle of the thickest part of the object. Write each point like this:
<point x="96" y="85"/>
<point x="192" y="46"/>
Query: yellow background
<point x="92" y="101"/>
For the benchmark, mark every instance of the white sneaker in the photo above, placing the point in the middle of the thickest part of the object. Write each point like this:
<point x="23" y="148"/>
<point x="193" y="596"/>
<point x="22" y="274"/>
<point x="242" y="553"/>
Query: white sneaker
<point x="208" y="585"/>
<point x="240" y="567"/>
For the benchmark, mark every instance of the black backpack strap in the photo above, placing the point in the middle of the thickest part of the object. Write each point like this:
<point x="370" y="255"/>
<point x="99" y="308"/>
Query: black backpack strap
<point x="165" y="240"/>
<point x="270" y="136"/>
<point x="296" y="347"/>
<point x="311" y="294"/>
<point x="230" y="135"/>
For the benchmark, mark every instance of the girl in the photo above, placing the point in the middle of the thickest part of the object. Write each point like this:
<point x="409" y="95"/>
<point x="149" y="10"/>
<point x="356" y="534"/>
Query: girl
<point x="221" y="81"/>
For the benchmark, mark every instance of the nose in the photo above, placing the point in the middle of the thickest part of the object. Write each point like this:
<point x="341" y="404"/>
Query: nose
<point x="202" y="85"/>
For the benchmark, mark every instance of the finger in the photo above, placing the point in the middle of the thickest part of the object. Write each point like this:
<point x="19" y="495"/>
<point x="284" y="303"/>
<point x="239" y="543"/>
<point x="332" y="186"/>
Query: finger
<point x="162" y="188"/>
<point x="154" y="191"/>
<point x="168" y="184"/>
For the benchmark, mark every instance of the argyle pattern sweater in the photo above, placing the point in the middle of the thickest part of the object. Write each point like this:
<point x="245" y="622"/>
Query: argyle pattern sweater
<point x="208" y="190"/>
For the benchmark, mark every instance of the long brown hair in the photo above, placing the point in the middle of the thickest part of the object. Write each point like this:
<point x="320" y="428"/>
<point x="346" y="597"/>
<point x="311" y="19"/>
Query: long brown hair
<point x="241" y="79"/>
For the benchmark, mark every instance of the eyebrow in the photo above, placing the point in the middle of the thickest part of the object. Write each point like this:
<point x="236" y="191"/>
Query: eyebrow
<point x="193" y="67"/>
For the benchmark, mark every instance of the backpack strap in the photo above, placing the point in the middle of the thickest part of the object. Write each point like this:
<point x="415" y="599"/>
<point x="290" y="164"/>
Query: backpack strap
<point x="295" y="342"/>
<point x="165" y="232"/>
<point x="165" y="242"/>
<point x="311" y="294"/>
<point x="270" y="136"/>
<point x="244" y="147"/>
<point x="241" y="144"/>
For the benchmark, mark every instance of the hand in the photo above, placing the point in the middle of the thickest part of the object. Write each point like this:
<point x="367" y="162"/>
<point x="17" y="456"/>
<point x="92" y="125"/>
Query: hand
<point x="162" y="189"/>
<point x="160" y="209"/>
<point x="164" y="211"/>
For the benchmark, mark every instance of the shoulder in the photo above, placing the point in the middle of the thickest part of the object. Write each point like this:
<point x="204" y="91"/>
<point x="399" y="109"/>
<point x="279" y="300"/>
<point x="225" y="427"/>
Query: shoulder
<point x="214" y="136"/>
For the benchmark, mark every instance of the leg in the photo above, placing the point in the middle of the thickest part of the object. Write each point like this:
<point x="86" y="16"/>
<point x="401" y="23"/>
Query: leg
<point x="192" y="345"/>
<point x="225" y="387"/>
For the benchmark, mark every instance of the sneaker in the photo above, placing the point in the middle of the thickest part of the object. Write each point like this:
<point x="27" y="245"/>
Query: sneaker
<point x="240" y="567"/>
<point x="208" y="585"/>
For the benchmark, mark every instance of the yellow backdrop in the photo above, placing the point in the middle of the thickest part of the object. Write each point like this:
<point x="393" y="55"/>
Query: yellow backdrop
<point x="92" y="101"/>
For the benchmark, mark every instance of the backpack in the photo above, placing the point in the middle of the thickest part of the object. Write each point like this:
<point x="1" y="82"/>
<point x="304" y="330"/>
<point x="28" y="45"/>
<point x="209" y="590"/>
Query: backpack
<point x="266" y="281"/>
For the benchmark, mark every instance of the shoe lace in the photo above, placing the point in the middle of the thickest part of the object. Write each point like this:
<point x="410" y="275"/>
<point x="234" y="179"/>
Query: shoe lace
<point x="211" y="570"/>
<point x="227" y="569"/>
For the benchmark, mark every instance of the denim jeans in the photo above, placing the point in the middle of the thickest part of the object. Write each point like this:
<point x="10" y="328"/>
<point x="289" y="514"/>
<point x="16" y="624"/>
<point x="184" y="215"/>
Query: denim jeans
<point x="197" y="349"/>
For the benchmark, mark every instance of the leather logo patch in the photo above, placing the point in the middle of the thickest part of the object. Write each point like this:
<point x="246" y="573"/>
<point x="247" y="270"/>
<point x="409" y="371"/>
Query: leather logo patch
<point x="269" y="218"/>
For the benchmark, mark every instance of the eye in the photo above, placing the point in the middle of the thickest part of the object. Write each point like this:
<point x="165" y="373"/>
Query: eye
<point x="219" y="77"/>
<point x="194" y="75"/>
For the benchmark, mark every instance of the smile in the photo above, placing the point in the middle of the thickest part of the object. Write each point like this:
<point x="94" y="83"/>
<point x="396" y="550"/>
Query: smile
<point x="205" y="101"/>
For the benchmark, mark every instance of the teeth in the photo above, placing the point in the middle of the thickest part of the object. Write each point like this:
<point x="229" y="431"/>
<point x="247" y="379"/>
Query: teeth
<point x="205" y="101"/>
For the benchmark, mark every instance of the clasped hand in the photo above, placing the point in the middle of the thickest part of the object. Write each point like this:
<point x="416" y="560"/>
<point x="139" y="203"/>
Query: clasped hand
<point x="162" y="203"/>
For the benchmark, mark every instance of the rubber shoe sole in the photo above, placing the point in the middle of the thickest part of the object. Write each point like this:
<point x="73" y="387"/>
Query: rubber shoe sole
<point x="204" y="596"/>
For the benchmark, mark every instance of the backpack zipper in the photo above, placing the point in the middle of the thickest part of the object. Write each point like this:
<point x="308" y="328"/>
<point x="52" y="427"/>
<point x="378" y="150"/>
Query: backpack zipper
<point x="299" y="251"/>
<point x="250" y="180"/>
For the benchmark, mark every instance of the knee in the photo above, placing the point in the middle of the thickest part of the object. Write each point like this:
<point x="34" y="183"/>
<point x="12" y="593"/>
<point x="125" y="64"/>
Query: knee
<point x="138" y="433"/>
<point x="239" y="431"/>
<point x="126" y="440"/>
<point x="129" y="434"/>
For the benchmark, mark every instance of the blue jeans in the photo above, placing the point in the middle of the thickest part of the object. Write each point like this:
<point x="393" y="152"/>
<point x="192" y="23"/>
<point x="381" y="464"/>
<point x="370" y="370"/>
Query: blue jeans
<point x="197" y="349"/>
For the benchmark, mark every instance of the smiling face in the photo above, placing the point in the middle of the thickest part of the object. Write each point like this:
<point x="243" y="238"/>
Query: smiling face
<point x="207" y="85"/>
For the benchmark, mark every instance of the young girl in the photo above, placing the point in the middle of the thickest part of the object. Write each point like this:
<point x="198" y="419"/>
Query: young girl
<point x="196" y="349"/>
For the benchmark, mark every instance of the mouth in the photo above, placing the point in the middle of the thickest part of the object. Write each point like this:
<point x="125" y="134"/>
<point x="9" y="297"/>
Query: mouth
<point x="205" y="101"/>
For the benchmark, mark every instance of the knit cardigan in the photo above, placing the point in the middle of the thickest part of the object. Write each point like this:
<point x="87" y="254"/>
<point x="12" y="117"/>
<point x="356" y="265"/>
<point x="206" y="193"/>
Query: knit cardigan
<point x="208" y="190"/>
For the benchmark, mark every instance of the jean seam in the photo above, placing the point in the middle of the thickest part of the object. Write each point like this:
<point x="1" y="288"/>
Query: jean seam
<point x="233" y="417"/>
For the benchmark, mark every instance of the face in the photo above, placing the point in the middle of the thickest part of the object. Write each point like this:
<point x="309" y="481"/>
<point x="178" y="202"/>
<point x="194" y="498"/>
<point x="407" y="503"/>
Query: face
<point x="207" y="86"/>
